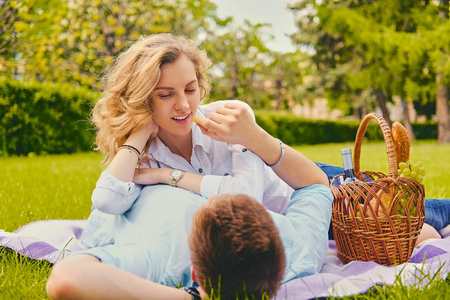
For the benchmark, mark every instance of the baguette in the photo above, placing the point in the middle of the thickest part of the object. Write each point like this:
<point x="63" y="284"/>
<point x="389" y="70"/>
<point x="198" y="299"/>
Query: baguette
<point x="402" y="142"/>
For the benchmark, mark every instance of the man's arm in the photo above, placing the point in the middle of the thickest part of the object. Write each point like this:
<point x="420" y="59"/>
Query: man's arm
<point x="85" y="277"/>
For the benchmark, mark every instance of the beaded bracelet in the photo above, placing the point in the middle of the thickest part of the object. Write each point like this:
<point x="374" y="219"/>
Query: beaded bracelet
<point x="131" y="148"/>
<point x="138" y="153"/>
<point x="283" y="152"/>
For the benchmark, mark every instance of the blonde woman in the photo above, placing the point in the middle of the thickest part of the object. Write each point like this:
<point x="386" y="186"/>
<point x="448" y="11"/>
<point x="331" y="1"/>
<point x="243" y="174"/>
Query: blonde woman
<point x="162" y="167"/>
<point x="152" y="93"/>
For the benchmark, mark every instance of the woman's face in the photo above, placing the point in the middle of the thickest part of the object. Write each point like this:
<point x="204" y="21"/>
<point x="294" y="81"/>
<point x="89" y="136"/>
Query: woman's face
<point x="176" y="98"/>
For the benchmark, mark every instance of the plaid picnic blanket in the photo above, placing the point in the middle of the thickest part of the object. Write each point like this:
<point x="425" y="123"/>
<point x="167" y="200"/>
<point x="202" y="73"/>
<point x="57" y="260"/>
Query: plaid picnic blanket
<point x="54" y="239"/>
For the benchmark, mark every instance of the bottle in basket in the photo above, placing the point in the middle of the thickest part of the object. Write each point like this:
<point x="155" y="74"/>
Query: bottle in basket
<point x="349" y="172"/>
<point x="348" y="166"/>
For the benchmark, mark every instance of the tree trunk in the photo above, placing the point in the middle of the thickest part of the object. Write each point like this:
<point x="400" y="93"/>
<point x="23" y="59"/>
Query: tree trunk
<point x="278" y="86"/>
<point x="381" y="99"/>
<point x="406" y="120"/>
<point x="357" y="113"/>
<point x="442" y="112"/>
<point x="278" y="98"/>
<point x="234" y="79"/>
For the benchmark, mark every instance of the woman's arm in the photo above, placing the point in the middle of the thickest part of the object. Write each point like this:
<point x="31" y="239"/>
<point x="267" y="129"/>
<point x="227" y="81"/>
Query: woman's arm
<point x="124" y="163"/>
<point x="234" y="124"/>
<point x="115" y="192"/>
<point x="247" y="176"/>
<point x="189" y="181"/>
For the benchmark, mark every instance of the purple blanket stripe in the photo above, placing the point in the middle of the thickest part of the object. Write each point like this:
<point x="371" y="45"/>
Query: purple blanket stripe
<point x="52" y="240"/>
<point x="38" y="249"/>
<point x="356" y="269"/>
<point x="77" y="231"/>
<point x="430" y="251"/>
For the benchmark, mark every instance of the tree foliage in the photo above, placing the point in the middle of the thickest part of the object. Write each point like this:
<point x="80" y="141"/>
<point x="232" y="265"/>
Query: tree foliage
<point x="8" y="18"/>
<point x="238" y="65"/>
<point x="378" y="49"/>
<point x="357" y="54"/>
<point x="72" y="41"/>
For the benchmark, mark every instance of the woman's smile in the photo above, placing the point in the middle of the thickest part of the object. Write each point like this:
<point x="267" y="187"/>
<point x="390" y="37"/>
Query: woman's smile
<point x="181" y="119"/>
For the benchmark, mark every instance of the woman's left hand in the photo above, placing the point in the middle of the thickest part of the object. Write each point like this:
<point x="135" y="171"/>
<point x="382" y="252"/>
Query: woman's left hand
<point x="148" y="176"/>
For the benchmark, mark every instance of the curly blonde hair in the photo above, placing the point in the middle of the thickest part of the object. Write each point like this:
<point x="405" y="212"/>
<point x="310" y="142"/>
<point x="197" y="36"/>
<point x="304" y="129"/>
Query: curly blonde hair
<point x="129" y="83"/>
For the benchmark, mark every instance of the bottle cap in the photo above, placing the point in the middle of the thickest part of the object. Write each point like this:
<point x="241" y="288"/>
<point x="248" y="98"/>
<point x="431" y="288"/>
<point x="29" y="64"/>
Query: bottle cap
<point x="346" y="151"/>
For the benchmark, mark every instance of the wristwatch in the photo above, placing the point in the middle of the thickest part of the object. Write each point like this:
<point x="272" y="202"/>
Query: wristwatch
<point x="175" y="176"/>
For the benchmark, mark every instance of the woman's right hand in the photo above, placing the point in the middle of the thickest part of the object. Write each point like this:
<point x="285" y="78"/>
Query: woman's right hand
<point x="150" y="130"/>
<point x="232" y="124"/>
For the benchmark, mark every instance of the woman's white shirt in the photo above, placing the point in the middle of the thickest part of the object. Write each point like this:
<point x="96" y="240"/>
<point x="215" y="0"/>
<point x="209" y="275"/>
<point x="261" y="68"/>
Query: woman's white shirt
<point x="226" y="168"/>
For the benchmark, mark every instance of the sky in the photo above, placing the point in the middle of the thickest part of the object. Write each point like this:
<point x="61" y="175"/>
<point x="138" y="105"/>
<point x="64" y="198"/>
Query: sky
<point x="262" y="11"/>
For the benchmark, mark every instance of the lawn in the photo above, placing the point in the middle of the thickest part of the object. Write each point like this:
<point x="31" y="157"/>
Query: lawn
<point x="59" y="187"/>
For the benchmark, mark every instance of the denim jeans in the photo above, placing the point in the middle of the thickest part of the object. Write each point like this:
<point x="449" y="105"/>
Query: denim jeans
<point x="437" y="211"/>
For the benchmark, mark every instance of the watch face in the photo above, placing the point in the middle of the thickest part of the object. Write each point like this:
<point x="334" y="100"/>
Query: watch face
<point x="176" y="173"/>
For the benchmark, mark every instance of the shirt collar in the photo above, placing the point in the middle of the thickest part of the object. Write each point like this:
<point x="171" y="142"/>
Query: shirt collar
<point x="157" y="150"/>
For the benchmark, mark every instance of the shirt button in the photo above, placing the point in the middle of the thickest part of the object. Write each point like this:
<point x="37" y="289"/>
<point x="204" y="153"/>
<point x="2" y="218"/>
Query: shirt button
<point x="244" y="150"/>
<point x="200" y="170"/>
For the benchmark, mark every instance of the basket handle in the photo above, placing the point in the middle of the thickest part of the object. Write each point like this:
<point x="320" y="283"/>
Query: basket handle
<point x="390" y="149"/>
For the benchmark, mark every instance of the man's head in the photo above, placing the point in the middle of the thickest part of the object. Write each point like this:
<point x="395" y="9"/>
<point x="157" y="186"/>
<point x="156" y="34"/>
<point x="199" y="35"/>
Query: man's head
<point x="235" y="246"/>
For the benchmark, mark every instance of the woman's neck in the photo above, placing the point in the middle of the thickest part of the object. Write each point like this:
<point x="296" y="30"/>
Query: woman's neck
<point x="180" y="145"/>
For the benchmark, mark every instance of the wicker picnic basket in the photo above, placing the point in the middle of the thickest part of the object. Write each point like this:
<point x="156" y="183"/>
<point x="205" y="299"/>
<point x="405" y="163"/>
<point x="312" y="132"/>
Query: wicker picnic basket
<point x="380" y="217"/>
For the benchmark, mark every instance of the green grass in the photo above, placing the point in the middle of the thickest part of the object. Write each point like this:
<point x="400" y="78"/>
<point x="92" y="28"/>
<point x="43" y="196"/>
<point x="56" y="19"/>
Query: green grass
<point x="40" y="188"/>
<point x="59" y="187"/>
<point x="46" y="187"/>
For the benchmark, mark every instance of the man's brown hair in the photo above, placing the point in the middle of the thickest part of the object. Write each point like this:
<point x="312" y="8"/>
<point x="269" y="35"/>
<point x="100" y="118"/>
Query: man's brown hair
<point x="236" y="249"/>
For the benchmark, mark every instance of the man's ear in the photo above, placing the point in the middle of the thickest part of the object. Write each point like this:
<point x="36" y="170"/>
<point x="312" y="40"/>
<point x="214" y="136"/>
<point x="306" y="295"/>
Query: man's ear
<point x="193" y="274"/>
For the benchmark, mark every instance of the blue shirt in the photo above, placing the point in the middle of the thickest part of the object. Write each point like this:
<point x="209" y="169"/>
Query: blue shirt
<point x="150" y="239"/>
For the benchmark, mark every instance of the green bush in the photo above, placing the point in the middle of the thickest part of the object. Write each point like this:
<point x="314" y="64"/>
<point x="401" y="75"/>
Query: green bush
<point x="42" y="118"/>
<point x="294" y="130"/>
<point x="427" y="130"/>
